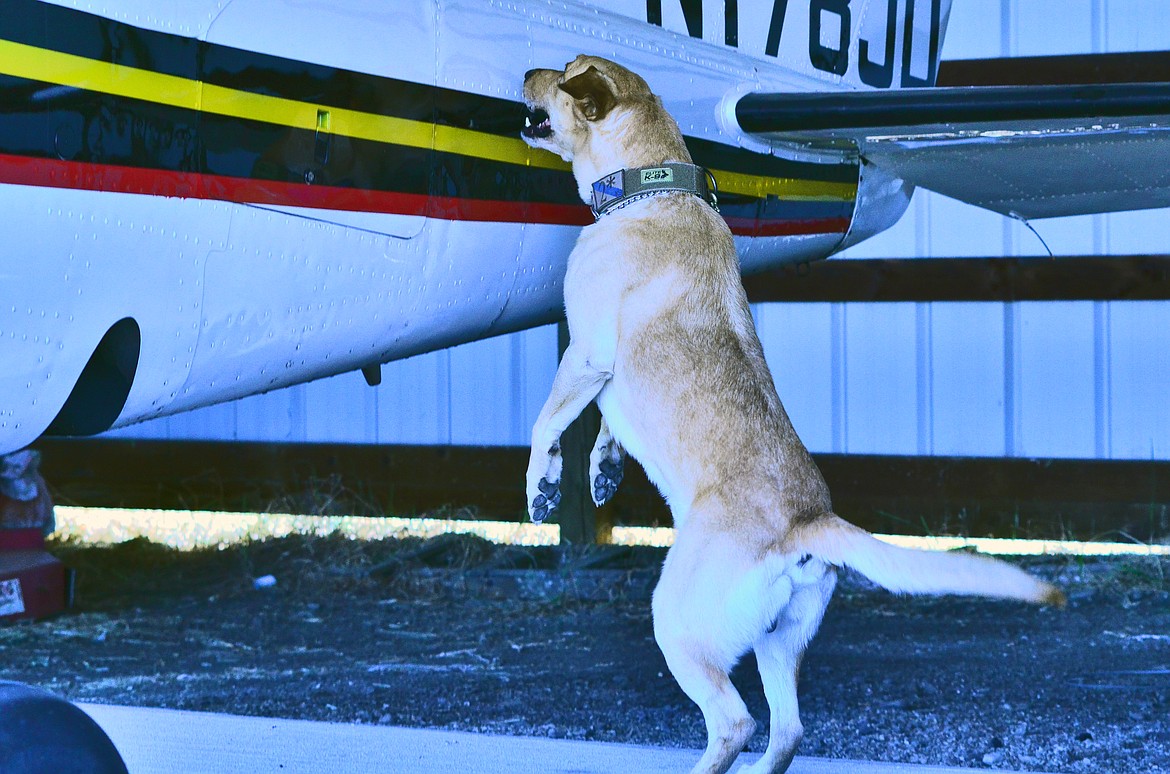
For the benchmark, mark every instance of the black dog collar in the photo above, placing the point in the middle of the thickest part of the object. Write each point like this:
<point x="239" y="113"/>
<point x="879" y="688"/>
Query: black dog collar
<point x="620" y="188"/>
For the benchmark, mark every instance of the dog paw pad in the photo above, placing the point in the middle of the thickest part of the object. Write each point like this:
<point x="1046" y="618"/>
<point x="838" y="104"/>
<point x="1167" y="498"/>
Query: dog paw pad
<point x="603" y="489"/>
<point x="545" y="502"/>
<point x="605" y="483"/>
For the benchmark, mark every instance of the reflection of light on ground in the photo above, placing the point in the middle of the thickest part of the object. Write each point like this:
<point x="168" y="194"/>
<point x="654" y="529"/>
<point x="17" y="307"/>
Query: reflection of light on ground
<point x="191" y="529"/>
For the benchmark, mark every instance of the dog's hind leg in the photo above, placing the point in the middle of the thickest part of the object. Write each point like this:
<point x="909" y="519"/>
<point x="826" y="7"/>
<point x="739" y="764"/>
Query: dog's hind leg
<point x="706" y="682"/>
<point x="779" y="670"/>
<point x="778" y="654"/>
<point x="690" y="617"/>
<point x="606" y="465"/>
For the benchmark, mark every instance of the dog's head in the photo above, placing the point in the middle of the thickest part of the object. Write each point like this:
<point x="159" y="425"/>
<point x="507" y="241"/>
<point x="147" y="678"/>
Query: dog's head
<point x="600" y="116"/>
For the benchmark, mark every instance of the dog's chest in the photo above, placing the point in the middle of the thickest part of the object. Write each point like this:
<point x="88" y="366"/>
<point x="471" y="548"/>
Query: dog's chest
<point x="594" y="284"/>
<point x="615" y="280"/>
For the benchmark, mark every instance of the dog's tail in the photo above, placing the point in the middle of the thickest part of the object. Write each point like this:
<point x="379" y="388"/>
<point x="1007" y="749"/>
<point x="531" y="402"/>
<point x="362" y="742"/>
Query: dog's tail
<point x="910" y="571"/>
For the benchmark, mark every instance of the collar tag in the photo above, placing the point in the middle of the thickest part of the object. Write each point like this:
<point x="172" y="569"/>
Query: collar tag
<point x="657" y="176"/>
<point x="607" y="189"/>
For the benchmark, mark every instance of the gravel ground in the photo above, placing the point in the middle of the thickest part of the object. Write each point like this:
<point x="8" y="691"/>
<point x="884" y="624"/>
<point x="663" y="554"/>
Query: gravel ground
<point x="456" y="633"/>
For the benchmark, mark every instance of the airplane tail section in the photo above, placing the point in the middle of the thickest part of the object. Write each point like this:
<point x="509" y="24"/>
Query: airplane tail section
<point x="910" y="571"/>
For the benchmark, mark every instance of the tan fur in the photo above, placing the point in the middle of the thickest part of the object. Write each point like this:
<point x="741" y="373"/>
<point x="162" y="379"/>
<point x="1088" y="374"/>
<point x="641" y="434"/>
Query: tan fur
<point x="662" y="337"/>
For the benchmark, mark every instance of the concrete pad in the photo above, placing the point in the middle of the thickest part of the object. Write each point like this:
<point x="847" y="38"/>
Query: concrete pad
<point x="168" y="741"/>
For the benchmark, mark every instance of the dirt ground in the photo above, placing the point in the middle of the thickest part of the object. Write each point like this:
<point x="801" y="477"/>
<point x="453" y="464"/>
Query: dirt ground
<point x="456" y="633"/>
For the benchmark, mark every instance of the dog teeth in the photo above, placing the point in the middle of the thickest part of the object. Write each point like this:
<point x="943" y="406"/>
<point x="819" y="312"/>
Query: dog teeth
<point x="537" y="124"/>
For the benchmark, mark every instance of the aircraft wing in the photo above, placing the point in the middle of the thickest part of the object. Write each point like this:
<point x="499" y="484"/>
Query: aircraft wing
<point x="1026" y="151"/>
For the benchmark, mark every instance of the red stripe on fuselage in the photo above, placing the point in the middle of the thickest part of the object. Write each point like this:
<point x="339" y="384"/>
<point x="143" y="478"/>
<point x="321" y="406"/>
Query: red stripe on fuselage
<point x="55" y="173"/>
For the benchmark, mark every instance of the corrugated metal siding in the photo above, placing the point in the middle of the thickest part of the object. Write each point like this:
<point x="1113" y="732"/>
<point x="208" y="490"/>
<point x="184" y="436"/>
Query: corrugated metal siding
<point x="1077" y="379"/>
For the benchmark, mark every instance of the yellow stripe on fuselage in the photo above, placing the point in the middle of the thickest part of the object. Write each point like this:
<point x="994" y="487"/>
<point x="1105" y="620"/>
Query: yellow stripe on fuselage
<point x="46" y="65"/>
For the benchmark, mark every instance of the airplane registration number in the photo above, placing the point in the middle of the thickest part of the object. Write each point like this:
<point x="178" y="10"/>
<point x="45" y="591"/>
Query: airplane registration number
<point x="830" y="44"/>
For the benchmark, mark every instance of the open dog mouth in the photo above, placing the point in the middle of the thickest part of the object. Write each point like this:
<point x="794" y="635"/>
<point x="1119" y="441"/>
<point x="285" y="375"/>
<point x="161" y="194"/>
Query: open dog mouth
<point x="537" y="124"/>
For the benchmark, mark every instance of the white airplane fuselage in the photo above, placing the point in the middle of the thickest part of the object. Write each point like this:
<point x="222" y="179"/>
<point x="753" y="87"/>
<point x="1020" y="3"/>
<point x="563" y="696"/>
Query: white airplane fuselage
<point x="206" y="200"/>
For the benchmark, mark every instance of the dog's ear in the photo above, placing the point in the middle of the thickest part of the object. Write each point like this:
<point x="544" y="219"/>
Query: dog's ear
<point x="593" y="93"/>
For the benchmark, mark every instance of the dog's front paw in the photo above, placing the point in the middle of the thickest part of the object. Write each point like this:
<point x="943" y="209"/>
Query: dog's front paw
<point x="544" y="503"/>
<point x="605" y="483"/>
<point x="543" y="487"/>
<point x="606" y="470"/>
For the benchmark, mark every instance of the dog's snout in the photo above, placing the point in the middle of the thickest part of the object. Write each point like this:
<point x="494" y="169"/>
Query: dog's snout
<point x="537" y="124"/>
